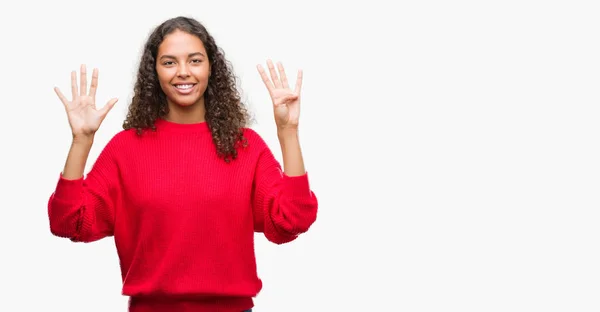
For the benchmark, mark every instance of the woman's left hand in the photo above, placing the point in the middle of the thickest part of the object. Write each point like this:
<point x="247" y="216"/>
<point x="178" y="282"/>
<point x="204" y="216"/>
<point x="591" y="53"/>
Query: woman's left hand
<point x="286" y="103"/>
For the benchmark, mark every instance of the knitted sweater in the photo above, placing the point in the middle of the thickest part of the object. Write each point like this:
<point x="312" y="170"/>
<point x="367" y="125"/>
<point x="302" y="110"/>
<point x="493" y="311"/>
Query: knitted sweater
<point x="183" y="220"/>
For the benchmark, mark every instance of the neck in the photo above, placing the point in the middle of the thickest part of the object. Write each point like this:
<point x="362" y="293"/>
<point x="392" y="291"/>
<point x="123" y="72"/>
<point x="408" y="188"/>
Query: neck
<point x="187" y="114"/>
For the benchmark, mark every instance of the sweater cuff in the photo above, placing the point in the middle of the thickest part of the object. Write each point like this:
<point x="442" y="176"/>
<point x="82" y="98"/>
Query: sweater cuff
<point x="68" y="190"/>
<point x="297" y="186"/>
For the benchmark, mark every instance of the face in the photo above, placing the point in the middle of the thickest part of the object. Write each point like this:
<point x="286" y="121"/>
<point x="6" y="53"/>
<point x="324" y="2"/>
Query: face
<point x="183" y="68"/>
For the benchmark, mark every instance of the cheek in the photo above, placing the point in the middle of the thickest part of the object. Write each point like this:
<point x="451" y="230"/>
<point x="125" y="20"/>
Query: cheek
<point x="202" y="73"/>
<point x="164" y="77"/>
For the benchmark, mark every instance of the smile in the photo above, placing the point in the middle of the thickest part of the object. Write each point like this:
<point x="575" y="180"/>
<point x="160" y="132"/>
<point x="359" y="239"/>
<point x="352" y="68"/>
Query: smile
<point x="184" y="88"/>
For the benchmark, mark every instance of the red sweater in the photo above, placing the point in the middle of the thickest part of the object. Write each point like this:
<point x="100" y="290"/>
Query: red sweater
<point x="183" y="220"/>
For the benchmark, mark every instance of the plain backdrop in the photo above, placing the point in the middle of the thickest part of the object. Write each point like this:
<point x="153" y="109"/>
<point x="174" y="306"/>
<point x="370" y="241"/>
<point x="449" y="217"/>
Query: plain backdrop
<point x="453" y="146"/>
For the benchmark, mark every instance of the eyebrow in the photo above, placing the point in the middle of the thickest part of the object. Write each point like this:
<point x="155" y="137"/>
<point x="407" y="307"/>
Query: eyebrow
<point x="189" y="55"/>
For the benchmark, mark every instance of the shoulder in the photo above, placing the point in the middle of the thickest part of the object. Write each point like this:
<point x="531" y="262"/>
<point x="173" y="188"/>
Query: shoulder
<point x="123" y="137"/>
<point x="255" y="143"/>
<point x="258" y="147"/>
<point x="253" y="137"/>
<point x="121" y="141"/>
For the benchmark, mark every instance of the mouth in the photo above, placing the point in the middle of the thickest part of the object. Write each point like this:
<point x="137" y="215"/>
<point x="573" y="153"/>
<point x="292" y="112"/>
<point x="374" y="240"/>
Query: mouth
<point x="184" y="88"/>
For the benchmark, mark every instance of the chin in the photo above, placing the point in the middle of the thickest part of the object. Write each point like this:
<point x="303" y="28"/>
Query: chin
<point x="185" y="103"/>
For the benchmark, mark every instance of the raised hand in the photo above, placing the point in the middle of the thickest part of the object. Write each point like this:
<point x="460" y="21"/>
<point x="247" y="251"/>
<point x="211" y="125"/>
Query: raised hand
<point x="286" y="103"/>
<point x="84" y="117"/>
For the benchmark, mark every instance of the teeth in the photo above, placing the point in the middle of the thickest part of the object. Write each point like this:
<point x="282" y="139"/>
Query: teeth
<point x="184" y="86"/>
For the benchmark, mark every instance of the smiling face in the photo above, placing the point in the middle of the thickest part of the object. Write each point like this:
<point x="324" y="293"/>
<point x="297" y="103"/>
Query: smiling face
<point x="183" y="69"/>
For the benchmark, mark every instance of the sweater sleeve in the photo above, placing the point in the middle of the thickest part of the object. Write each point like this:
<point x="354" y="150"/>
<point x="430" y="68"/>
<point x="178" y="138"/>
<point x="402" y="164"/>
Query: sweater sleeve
<point x="284" y="206"/>
<point x="83" y="210"/>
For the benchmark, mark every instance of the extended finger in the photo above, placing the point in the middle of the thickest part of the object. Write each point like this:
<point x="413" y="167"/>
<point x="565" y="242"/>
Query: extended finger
<point x="74" y="89"/>
<point x="83" y="82"/>
<point x="298" y="82"/>
<point x="274" y="77"/>
<point x="94" y="84"/>
<point x="263" y="76"/>
<point x="282" y="76"/>
<point x="61" y="96"/>
<point x="109" y="106"/>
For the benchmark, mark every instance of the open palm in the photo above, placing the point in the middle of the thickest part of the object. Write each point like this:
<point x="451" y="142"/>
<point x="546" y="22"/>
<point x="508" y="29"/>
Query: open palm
<point x="84" y="118"/>
<point x="286" y="102"/>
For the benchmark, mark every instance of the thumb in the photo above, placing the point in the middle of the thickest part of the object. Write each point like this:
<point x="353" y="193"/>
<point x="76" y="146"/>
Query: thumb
<point x="109" y="106"/>
<point x="288" y="98"/>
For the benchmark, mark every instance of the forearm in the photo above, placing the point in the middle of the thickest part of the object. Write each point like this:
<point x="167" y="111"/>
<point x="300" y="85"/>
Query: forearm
<point x="293" y="162"/>
<point x="83" y="209"/>
<point x="77" y="158"/>
<point x="284" y="207"/>
<point x="288" y="210"/>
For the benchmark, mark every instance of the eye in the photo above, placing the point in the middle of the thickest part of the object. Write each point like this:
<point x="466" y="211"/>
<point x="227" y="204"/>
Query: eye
<point x="167" y="63"/>
<point x="196" y="61"/>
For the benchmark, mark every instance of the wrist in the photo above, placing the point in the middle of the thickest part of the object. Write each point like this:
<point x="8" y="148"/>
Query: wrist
<point x="287" y="132"/>
<point x="83" y="139"/>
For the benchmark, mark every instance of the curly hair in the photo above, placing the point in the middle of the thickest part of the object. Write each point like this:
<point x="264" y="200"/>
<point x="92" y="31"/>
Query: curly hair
<point x="225" y="115"/>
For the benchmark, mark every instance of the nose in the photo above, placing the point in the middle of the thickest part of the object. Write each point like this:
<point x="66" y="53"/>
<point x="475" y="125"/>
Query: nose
<point x="183" y="71"/>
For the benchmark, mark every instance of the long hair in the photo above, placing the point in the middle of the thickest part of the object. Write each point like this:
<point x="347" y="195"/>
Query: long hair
<point x="226" y="115"/>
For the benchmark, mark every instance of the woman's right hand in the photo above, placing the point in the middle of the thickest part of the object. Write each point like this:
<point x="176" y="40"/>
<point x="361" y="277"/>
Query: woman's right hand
<point x="84" y="117"/>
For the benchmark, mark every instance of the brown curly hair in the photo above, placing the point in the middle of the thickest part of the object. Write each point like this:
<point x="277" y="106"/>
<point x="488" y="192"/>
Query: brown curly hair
<point x="225" y="115"/>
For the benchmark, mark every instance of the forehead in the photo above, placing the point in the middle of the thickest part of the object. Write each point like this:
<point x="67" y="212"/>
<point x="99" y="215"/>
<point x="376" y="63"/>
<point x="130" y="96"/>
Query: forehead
<point x="180" y="42"/>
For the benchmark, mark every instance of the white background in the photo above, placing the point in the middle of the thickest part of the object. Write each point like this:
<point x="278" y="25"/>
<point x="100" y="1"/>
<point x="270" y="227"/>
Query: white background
<point x="453" y="146"/>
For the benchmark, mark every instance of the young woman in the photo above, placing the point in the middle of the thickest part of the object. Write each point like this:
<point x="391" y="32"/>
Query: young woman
<point x="186" y="184"/>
